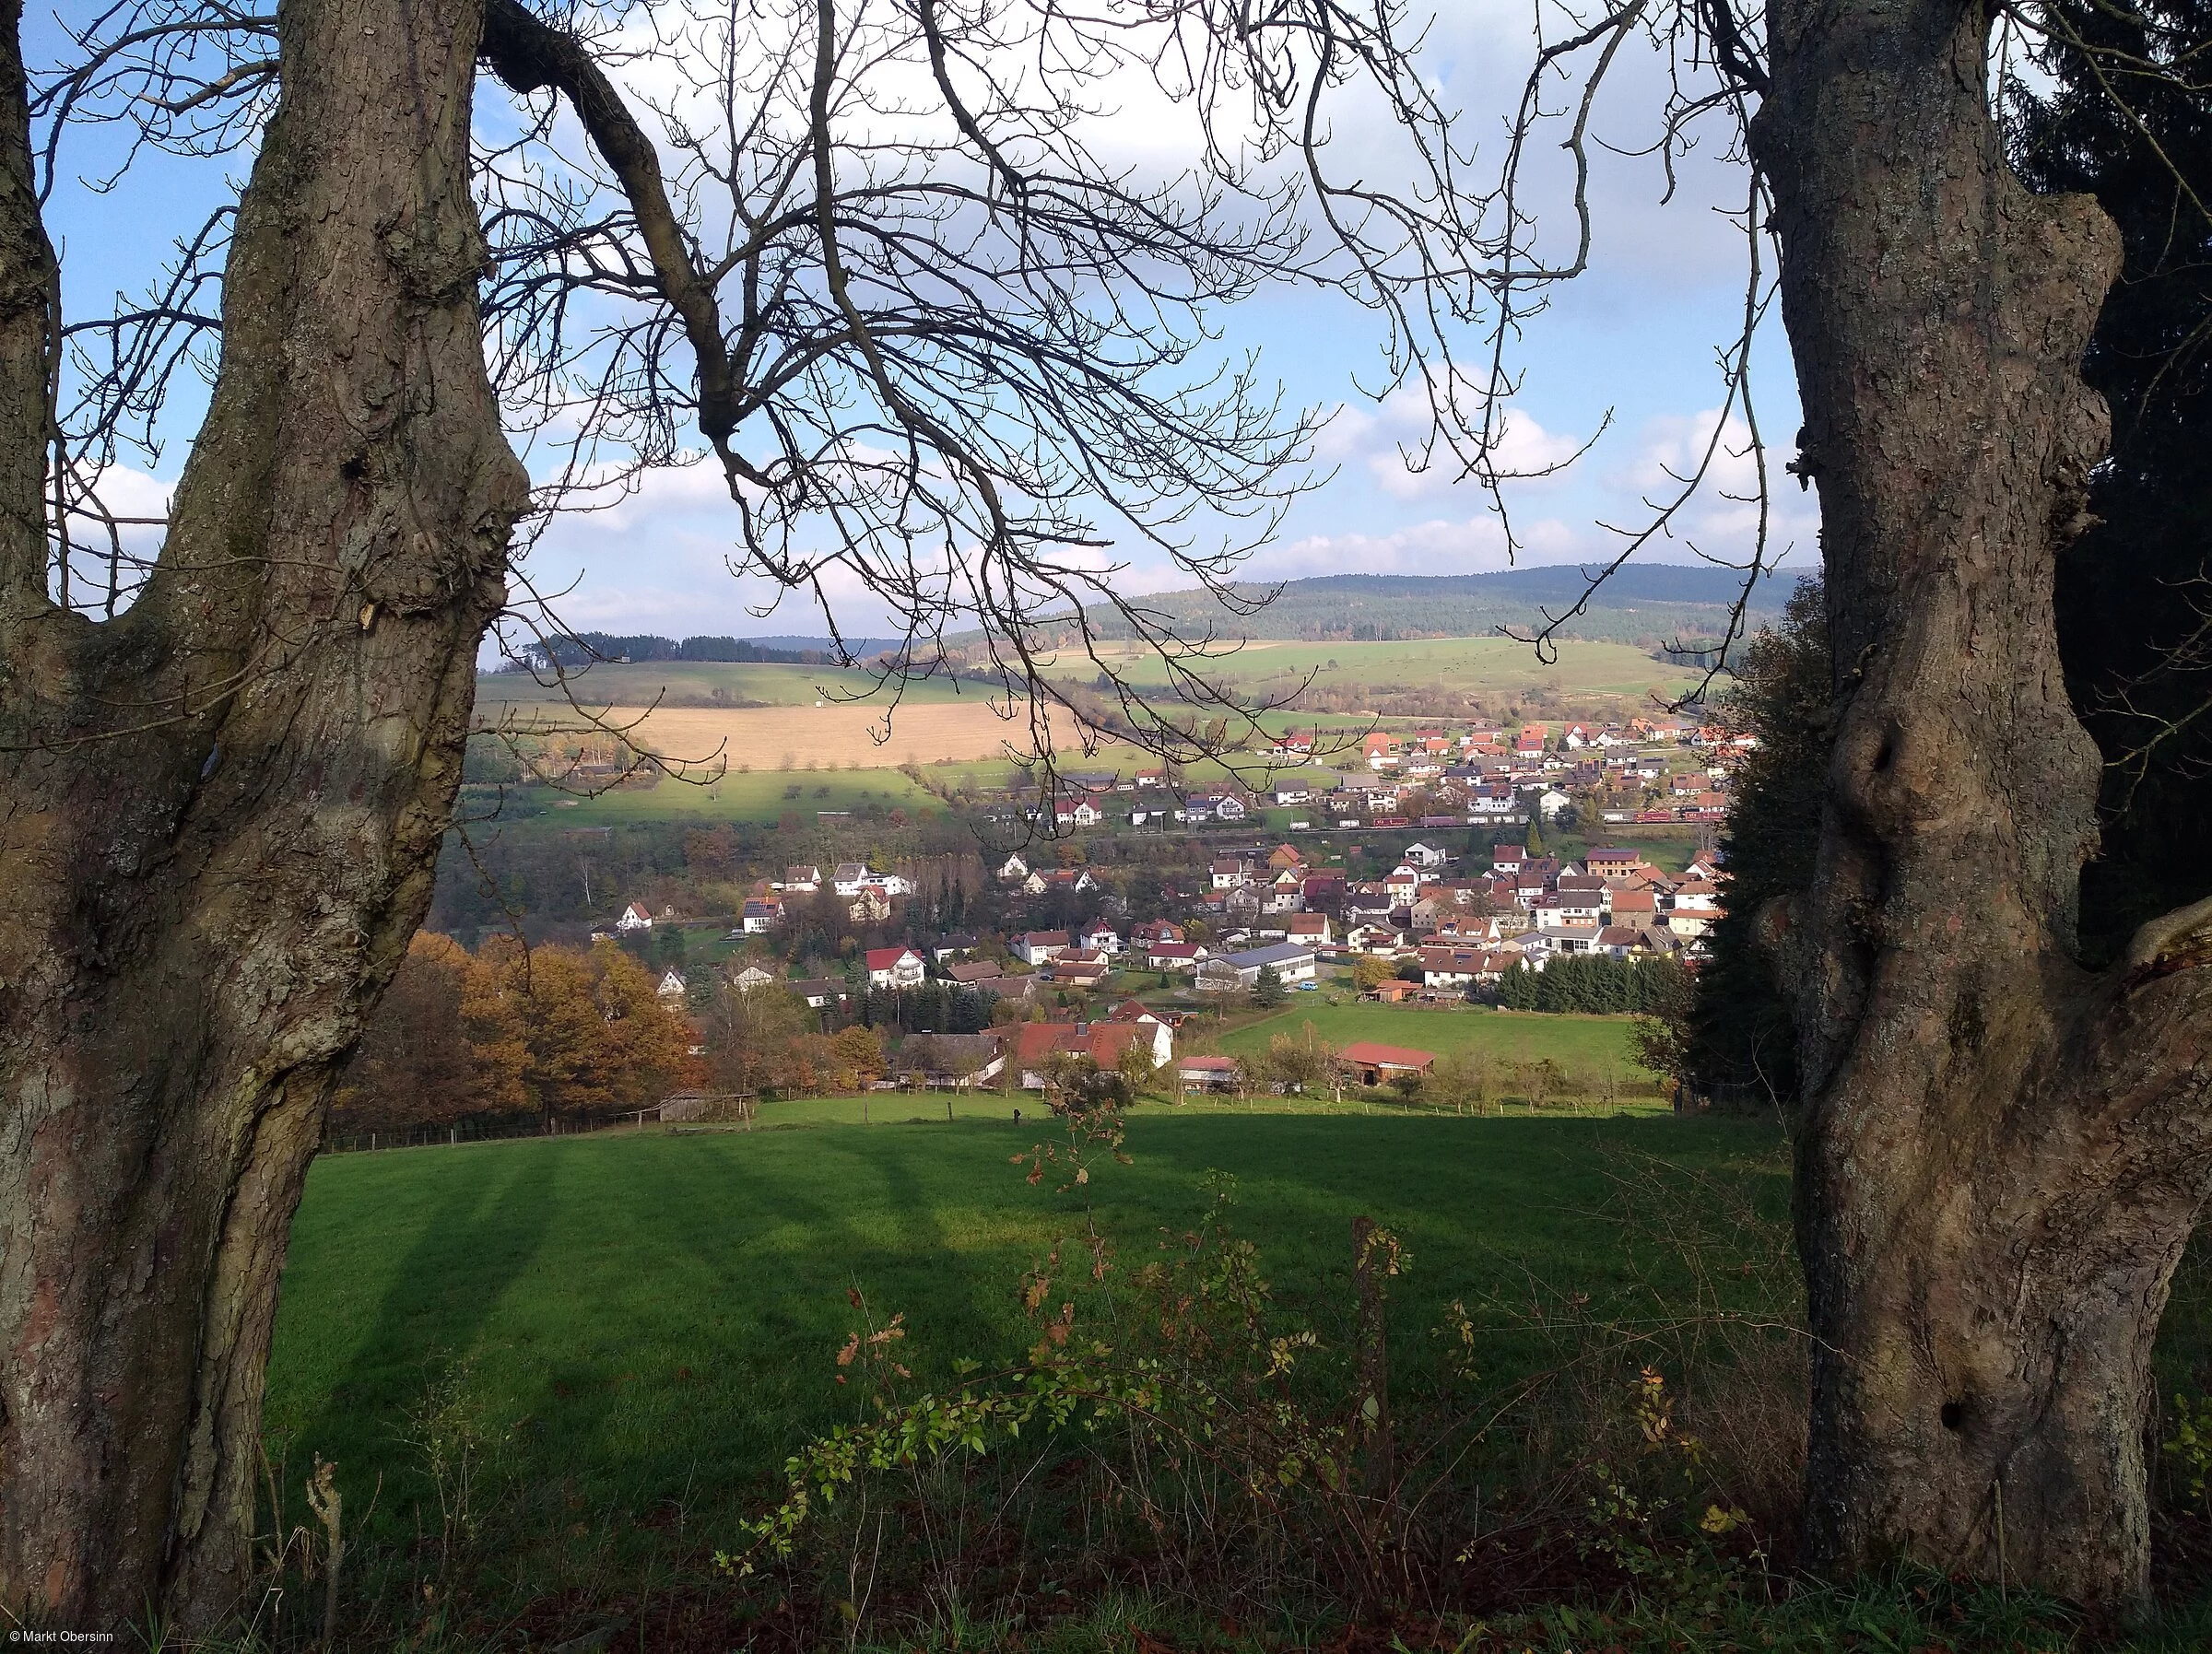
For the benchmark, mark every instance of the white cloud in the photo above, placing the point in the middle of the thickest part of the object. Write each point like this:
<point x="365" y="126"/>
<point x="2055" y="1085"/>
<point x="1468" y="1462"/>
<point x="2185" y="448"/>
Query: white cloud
<point x="1440" y="546"/>
<point x="1722" y="520"/>
<point x="1396" y="445"/>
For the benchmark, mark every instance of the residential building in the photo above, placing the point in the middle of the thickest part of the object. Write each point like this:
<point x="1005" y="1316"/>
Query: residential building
<point x="1039" y="947"/>
<point x="895" y="967"/>
<point x="1695" y="895"/>
<point x="1610" y="863"/>
<point x="636" y="917"/>
<point x="1100" y="937"/>
<point x="823" y="993"/>
<point x="1215" y="807"/>
<point x="1034" y="1044"/>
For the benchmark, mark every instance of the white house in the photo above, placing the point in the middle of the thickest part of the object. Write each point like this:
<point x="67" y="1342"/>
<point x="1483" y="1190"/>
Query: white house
<point x="762" y="913"/>
<point x="850" y="876"/>
<point x="1039" y="947"/>
<point x="672" y="985"/>
<point x="1544" y="945"/>
<point x="802" y="878"/>
<point x="1013" y="870"/>
<point x="894" y="968"/>
<point x="1101" y="938"/>
<point x="1425" y="856"/>
<point x="636" y="917"/>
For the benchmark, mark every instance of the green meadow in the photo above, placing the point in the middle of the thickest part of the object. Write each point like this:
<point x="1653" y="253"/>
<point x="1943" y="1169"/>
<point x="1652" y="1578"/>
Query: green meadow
<point x="744" y="795"/>
<point x="577" y="1364"/>
<point x="647" y="1317"/>
<point x="1453" y="666"/>
<point x="1586" y="1043"/>
<point x="731" y="683"/>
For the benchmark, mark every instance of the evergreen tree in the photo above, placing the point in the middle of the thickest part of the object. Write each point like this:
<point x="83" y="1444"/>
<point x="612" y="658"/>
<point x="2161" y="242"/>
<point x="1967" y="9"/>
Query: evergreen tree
<point x="1739" y="1041"/>
<point x="2134" y="615"/>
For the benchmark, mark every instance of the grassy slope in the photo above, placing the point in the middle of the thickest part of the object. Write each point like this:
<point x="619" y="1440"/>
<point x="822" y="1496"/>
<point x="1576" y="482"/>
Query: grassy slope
<point x="1492" y="665"/>
<point x="764" y="684"/>
<point x="1458" y="665"/>
<point x="1580" y="1043"/>
<point x="649" y="1313"/>
<point x="754" y="795"/>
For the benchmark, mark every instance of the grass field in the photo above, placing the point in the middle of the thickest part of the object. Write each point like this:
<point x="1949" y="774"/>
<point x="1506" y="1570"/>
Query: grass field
<point x="1492" y="666"/>
<point x="1586" y="1043"/>
<point x="763" y="684"/>
<point x="623" y="1335"/>
<point x="644" y="1317"/>
<point x="756" y="796"/>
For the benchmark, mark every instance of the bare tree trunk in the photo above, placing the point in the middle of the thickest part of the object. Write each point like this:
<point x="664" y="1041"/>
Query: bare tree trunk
<point x="2005" y="1152"/>
<point x="222" y="809"/>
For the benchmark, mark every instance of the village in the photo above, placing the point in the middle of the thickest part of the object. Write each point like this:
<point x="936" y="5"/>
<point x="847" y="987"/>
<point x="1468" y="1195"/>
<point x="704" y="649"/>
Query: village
<point x="1419" y="878"/>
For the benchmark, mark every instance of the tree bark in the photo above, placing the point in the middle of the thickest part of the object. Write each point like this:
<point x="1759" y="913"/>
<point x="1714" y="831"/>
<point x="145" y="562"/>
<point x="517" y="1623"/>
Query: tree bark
<point x="220" y="813"/>
<point x="2004" y="1152"/>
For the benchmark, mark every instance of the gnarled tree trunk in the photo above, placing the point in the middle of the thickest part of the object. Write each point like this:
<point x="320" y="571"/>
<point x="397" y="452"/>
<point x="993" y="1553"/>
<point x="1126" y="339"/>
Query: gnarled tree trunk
<point x="220" y="811"/>
<point x="2005" y="1152"/>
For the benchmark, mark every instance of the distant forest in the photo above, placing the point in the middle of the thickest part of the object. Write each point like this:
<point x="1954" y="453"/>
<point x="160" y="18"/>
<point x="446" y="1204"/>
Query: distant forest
<point x="1651" y="606"/>
<point x="1648" y="604"/>
<point x="580" y="649"/>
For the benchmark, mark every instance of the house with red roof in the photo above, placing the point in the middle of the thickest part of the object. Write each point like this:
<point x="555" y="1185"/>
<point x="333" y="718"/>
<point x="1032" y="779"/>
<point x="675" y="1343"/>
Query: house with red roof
<point x="1036" y="1043"/>
<point x="1375" y="1064"/>
<point x="894" y="968"/>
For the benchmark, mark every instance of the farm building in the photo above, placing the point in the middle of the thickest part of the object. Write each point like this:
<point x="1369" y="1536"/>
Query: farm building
<point x="1373" y="1064"/>
<point x="1207" y="1074"/>
<point x="1292" y="961"/>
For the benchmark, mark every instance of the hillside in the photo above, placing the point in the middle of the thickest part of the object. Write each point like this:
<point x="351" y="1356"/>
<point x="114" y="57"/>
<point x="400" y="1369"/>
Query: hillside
<point x="1648" y="604"/>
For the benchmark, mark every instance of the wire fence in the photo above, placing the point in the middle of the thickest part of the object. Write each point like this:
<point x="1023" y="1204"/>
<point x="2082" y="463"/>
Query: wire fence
<point x="452" y="1136"/>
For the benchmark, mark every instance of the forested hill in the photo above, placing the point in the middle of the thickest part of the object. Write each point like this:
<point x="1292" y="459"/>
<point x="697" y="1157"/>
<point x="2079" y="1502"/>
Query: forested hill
<point x="1654" y="602"/>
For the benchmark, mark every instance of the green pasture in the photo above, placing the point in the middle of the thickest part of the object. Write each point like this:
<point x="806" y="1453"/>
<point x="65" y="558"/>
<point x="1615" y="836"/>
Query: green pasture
<point x="609" y="1344"/>
<point x="746" y="795"/>
<point x="687" y="683"/>
<point x="1587" y="1043"/>
<point x="1454" y="665"/>
<point x="646" y="1317"/>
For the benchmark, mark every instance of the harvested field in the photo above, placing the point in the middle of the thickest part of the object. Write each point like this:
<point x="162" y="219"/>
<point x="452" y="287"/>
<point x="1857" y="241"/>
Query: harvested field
<point x="765" y="737"/>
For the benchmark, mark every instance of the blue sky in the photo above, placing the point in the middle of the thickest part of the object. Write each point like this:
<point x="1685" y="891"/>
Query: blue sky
<point x="1635" y="339"/>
